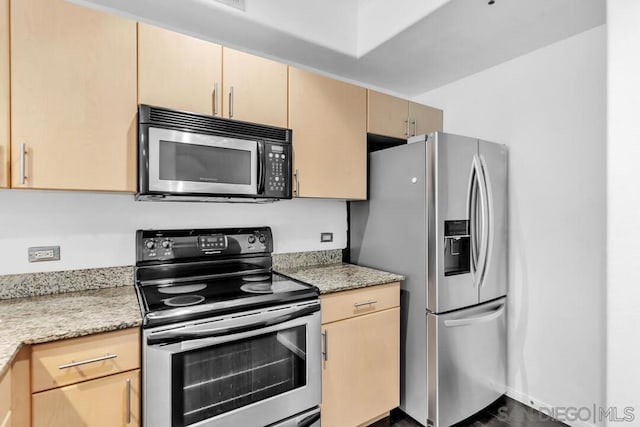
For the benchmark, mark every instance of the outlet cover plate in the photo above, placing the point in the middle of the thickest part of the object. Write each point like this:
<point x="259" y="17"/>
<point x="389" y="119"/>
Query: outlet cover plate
<point x="44" y="253"/>
<point x="326" y="237"/>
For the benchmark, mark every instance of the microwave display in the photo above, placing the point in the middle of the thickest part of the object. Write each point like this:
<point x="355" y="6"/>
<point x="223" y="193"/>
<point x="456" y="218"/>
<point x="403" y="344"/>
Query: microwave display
<point x="201" y="163"/>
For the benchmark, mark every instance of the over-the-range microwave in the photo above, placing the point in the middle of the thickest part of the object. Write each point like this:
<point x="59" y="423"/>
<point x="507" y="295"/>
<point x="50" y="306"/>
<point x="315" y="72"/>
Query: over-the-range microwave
<point x="194" y="157"/>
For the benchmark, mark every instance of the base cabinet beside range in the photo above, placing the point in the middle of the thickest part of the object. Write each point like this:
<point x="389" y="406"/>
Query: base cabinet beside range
<point x="91" y="381"/>
<point x="361" y="355"/>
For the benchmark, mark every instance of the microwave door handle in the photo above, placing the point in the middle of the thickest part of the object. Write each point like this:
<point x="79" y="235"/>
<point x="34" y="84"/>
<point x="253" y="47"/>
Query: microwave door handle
<point x="177" y="336"/>
<point x="261" y="168"/>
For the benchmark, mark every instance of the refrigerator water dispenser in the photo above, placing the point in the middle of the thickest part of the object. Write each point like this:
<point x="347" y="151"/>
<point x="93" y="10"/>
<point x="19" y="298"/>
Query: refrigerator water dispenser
<point x="456" y="247"/>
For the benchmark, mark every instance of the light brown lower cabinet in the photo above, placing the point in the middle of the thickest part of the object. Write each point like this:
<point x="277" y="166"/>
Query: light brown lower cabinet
<point x="111" y="401"/>
<point x="5" y="399"/>
<point x="361" y="373"/>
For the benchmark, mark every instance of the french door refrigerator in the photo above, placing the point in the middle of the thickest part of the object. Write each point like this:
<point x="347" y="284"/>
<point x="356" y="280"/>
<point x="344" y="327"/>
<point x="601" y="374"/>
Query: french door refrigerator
<point x="437" y="213"/>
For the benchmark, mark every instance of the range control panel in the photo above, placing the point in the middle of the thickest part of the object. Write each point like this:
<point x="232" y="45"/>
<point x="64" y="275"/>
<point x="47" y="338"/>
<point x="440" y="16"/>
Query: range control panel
<point x="278" y="170"/>
<point x="173" y="245"/>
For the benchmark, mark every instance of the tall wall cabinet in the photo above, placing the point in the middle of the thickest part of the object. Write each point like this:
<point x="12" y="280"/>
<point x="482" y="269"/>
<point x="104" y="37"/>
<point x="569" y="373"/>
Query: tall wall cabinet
<point x="328" y="119"/>
<point x="73" y="98"/>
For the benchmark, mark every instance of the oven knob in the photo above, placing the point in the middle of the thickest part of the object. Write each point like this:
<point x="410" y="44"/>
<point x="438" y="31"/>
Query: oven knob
<point x="150" y="244"/>
<point x="262" y="238"/>
<point x="251" y="239"/>
<point x="166" y="244"/>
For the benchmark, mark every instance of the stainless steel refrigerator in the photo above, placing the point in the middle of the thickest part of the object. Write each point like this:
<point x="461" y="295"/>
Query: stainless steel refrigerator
<point x="437" y="213"/>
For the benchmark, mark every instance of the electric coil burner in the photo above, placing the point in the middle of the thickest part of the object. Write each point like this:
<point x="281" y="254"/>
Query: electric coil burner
<point x="226" y="341"/>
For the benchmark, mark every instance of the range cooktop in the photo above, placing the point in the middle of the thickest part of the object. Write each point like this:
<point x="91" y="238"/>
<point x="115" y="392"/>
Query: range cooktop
<point x="186" y="299"/>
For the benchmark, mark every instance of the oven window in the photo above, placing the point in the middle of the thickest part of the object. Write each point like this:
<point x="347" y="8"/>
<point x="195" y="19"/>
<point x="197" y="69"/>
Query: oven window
<point x="214" y="380"/>
<point x="202" y="163"/>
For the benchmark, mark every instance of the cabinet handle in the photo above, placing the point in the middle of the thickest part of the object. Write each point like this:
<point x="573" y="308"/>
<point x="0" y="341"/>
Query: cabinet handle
<point x="23" y="153"/>
<point x="361" y="304"/>
<point x="231" y="100"/>
<point x="406" y="131"/>
<point x="296" y="176"/>
<point x="215" y="99"/>
<point x="415" y="127"/>
<point x="128" y="400"/>
<point x="325" y="347"/>
<point x="87" y="361"/>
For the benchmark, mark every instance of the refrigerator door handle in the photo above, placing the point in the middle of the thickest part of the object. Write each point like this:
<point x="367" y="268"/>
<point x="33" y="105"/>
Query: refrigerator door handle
<point x="478" y="254"/>
<point x="472" y="209"/>
<point x="485" y="223"/>
<point x="489" y="238"/>
<point x="486" y="317"/>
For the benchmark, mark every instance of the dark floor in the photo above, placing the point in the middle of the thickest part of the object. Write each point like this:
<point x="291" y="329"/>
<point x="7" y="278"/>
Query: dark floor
<point x="504" y="412"/>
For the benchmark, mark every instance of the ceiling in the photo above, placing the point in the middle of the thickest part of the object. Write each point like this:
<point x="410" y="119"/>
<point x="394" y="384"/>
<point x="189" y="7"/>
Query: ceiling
<point x="406" y="48"/>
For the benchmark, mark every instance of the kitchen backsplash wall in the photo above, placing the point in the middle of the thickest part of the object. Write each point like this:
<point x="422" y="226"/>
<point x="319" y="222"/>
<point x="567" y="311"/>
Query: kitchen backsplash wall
<point x="98" y="229"/>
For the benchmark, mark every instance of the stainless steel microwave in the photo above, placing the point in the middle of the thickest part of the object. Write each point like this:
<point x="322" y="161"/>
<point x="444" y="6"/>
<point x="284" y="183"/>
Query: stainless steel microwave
<point x="194" y="157"/>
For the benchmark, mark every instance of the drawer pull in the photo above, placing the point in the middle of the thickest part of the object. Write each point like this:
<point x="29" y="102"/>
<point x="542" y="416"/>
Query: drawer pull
<point x="86" y="362"/>
<point x="362" y="304"/>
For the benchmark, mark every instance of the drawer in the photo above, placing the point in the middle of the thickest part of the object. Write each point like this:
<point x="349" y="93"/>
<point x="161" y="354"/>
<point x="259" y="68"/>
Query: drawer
<point x="356" y="302"/>
<point x="79" y="359"/>
<point x="5" y="396"/>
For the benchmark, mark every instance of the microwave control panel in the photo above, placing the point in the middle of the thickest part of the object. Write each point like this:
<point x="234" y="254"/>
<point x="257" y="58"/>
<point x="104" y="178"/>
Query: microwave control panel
<point x="277" y="177"/>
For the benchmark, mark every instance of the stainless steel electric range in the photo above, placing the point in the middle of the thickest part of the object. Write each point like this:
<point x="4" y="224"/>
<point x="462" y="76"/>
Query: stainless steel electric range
<point x="226" y="341"/>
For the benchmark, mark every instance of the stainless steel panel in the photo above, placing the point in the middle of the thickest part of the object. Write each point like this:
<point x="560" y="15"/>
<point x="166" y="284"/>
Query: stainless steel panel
<point x="157" y="371"/>
<point x="390" y="232"/>
<point x="467" y="361"/>
<point x="452" y="157"/>
<point x="493" y="159"/>
<point x="162" y="185"/>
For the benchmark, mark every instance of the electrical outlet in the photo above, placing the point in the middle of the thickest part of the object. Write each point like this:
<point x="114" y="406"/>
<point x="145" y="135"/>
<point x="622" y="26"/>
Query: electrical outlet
<point x="326" y="237"/>
<point x="44" y="253"/>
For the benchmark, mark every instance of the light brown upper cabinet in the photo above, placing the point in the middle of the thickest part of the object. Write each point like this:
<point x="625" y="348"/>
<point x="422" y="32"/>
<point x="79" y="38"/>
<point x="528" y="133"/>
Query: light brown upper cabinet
<point x="73" y="98"/>
<point x="328" y="119"/>
<point x="4" y="94"/>
<point x="255" y="89"/>
<point x="387" y="115"/>
<point x="398" y="118"/>
<point x="424" y="119"/>
<point x="177" y="71"/>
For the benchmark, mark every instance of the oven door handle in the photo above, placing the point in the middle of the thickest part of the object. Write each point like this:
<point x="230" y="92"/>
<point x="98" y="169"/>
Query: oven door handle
<point x="177" y="336"/>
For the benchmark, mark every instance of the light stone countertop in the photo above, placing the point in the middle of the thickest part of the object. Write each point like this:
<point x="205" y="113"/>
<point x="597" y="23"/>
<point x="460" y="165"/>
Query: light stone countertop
<point x="340" y="277"/>
<point x="48" y="318"/>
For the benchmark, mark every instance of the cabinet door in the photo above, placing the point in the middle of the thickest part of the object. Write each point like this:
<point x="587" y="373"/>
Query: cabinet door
<point x="106" y="402"/>
<point x="73" y="97"/>
<point x="387" y="115"/>
<point x="4" y="93"/>
<point x="5" y="397"/>
<point x="255" y="89"/>
<point x="328" y="119"/>
<point x="177" y="71"/>
<point x="424" y="119"/>
<point x="361" y="376"/>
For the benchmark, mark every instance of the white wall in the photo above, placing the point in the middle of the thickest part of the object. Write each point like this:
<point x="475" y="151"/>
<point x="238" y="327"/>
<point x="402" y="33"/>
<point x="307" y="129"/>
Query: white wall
<point x="623" y="191"/>
<point x="98" y="229"/>
<point x="549" y="107"/>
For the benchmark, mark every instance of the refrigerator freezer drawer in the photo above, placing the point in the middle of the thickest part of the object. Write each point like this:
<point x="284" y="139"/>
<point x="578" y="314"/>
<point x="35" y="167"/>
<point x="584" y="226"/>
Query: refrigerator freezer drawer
<point x="467" y="361"/>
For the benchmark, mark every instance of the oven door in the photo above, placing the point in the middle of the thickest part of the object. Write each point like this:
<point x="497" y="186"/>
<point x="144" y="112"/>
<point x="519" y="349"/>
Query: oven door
<point x="184" y="162"/>
<point x="254" y="369"/>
